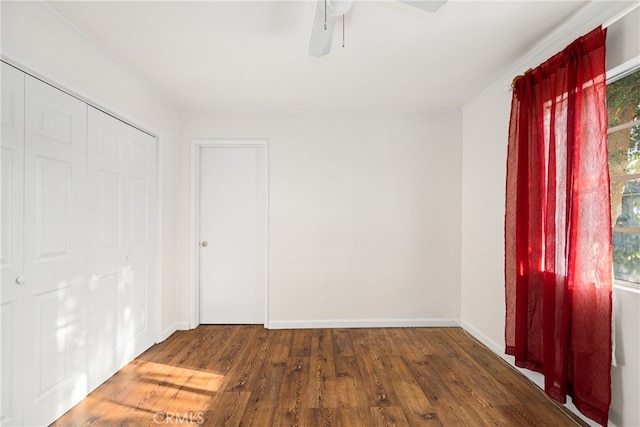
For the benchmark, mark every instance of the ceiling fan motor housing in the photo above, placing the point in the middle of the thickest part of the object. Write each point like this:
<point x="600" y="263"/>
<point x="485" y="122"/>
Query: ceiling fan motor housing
<point x="338" y="7"/>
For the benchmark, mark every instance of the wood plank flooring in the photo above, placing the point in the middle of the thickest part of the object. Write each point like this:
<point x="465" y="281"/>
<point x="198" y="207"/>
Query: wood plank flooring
<point x="250" y="376"/>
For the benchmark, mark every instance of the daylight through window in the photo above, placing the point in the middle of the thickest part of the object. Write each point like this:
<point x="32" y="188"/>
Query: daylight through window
<point x="623" y="104"/>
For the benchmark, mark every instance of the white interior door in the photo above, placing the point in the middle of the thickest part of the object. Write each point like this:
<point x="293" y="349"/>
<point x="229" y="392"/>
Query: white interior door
<point x="233" y="200"/>
<point x="11" y="246"/>
<point x="55" y="252"/>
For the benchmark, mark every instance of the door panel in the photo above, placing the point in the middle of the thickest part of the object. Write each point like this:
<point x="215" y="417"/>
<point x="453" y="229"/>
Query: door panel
<point x="10" y="159"/>
<point x="52" y="195"/>
<point x="106" y="263"/>
<point x="140" y="298"/>
<point x="105" y="198"/>
<point x="138" y="201"/>
<point x="109" y="210"/>
<point x="103" y="326"/>
<point x="59" y="350"/>
<point x="55" y="252"/>
<point x="142" y="241"/>
<point x="232" y="222"/>
<point x="11" y="245"/>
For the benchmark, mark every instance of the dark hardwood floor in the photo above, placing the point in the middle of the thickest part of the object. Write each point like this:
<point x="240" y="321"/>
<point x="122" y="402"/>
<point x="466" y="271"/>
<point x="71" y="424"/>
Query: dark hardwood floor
<point x="251" y="376"/>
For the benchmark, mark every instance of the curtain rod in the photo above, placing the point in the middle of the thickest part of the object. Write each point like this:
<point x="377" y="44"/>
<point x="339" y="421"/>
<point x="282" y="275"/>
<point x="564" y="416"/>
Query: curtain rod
<point x="518" y="77"/>
<point x="620" y="15"/>
<point x="605" y="24"/>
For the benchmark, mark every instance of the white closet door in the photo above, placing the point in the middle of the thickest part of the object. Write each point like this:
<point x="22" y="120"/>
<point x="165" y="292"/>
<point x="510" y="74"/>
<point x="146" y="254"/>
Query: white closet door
<point x="121" y="214"/>
<point x="55" y="252"/>
<point x="11" y="245"/>
<point x="138" y="312"/>
<point x="106" y="263"/>
<point x="78" y="248"/>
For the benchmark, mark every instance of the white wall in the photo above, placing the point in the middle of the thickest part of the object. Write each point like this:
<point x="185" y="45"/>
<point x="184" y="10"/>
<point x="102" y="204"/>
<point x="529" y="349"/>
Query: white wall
<point x="365" y="207"/>
<point x="364" y="213"/>
<point x="383" y="217"/>
<point x="36" y="37"/>
<point x="485" y="133"/>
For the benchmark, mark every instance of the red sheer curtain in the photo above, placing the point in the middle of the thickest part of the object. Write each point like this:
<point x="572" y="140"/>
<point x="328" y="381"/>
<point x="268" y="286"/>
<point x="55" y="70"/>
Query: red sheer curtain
<point x="558" y="227"/>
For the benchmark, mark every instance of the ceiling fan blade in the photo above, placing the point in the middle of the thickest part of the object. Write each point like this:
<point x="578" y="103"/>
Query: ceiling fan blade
<point x="320" y="38"/>
<point x="428" y="5"/>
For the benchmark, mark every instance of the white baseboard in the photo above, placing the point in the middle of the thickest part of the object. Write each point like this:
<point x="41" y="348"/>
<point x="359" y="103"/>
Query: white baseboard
<point x="493" y="346"/>
<point x="360" y="323"/>
<point x="177" y="326"/>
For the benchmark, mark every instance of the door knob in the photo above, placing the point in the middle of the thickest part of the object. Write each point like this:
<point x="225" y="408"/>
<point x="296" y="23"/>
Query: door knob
<point x="20" y="280"/>
<point x="204" y="244"/>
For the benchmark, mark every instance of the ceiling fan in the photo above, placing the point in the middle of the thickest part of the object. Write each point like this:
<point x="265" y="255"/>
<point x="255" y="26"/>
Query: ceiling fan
<point x="328" y="12"/>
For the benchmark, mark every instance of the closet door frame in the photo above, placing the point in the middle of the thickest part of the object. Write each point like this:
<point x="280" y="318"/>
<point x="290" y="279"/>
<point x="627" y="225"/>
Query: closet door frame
<point x="12" y="316"/>
<point x="28" y="67"/>
<point x="34" y="70"/>
<point x="155" y="300"/>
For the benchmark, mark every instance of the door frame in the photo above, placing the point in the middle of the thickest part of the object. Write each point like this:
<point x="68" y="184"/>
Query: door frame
<point x="194" y="234"/>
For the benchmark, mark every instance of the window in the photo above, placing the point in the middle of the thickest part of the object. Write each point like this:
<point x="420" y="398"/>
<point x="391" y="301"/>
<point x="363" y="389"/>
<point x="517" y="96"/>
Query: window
<point x="623" y="104"/>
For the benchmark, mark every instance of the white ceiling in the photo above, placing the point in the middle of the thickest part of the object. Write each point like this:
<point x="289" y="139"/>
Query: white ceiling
<point x="241" y="55"/>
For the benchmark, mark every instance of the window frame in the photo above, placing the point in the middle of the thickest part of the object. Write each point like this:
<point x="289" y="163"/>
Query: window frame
<point x="612" y="77"/>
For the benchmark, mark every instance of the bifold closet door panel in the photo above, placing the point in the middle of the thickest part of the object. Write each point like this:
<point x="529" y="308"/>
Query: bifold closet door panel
<point x="55" y="371"/>
<point x="141" y="239"/>
<point x="11" y="245"/>
<point x="106" y="252"/>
